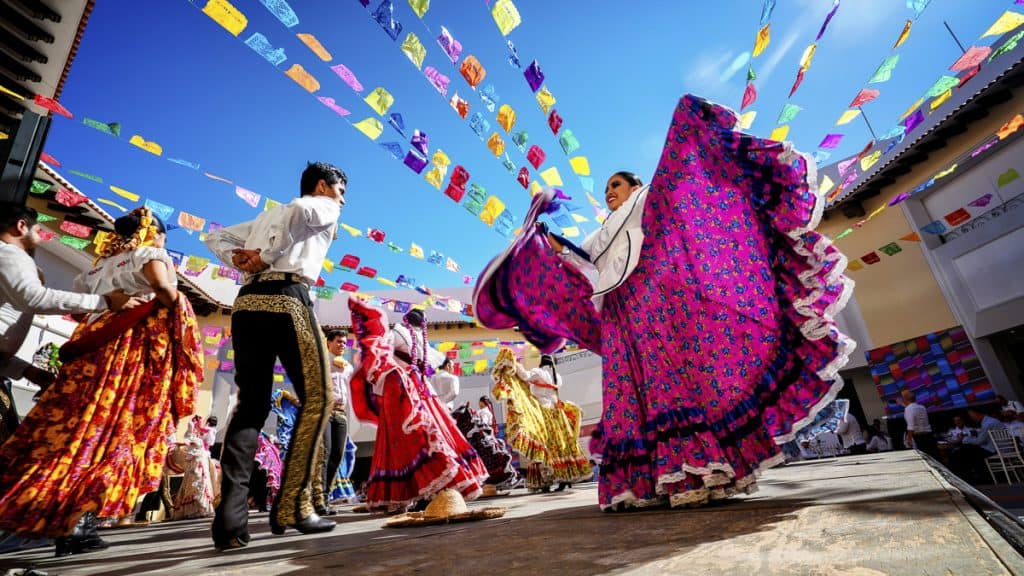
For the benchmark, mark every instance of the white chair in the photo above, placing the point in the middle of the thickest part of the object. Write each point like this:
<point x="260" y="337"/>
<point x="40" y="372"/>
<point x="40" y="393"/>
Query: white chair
<point x="1008" y="457"/>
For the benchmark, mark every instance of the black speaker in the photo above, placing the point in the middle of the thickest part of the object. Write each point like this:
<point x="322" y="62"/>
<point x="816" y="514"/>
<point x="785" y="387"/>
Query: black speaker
<point x="20" y="154"/>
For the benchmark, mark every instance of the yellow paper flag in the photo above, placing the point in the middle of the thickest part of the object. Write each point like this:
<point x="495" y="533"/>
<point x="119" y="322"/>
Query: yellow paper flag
<point x="580" y="165"/>
<point x="764" y="36"/>
<point x="506" y="16"/>
<point x="278" y="378"/>
<point x="847" y="117"/>
<point x="495" y="144"/>
<point x="435" y="176"/>
<point x="535" y="188"/>
<point x="903" y="35"/>
<point x="270" y="204"/>
<point x="328" y="265"/>
<point x="551" y="176"/>
<point x="371" y="127"/>
<point x="780" y="133"/>
<point x="124" y="193"/>
<point x="546" y="99"/>
<point x="571" y="232"/>
<point x="805" y="60"/>
<point x="940" y="100"/>
<point x="313" y="44"/>
<point x="380" y="100"/>
<point x="492" y="208"/>
<point x="223" y="13"/>
<point x="913" y="107"/>
<point x="854" y="265"/>
<point x="506" y="117"/>
<point x="870" y="160"/>
<point x="303" y="78"/>
<point x="109" y="203"/>
<point x="746" y="120"/>
<point x="946" y="172"/>
<point x="580" y="218"/>
<point x="386" y="282"/>
<point x="151" y="147"/>
<point x="445" y="346"/>
<point x="416" y="251"/>
<point x="1010" y="20"/>
<point x="413" y="48"/>
<point x="11" y="93"/>
<point x="441" y="160"/>
<point x="479" y="366"/>
<point x="354" y="232"/>
<point x="825" y="185"/>
<point x="420" y="7"/>
<point x="876" y="211"/>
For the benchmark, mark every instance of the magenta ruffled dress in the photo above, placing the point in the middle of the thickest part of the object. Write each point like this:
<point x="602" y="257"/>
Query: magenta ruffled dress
<point x="722" y="342"/>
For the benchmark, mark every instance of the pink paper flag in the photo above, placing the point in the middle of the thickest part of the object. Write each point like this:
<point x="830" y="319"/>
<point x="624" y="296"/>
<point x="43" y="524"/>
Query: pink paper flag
<point x="864" y="96"/>
<point x="846" y="164"/>
<point x="330" y="103"/>
<point x="75" y="229"/>
<point x="749" y="96"/>
<point x="217" y="178"/>
<point x="831" y="141"/>
<point x="251" y="198"/>
<point x="974" y="56"/>
<point x="348" y="77"/>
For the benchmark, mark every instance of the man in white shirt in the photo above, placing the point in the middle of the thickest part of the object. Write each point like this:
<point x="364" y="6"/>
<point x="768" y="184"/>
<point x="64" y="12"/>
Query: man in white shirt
<point x="22" y="296"/>
<point x="446" y="384"/>
<point x="281" y="252"/>
<point x="919" y="429"/>
<point x="876" y="442"/>
<point x="959" y="431"/>
<point x="850" y="434"/>
<point x="336" y="433"/>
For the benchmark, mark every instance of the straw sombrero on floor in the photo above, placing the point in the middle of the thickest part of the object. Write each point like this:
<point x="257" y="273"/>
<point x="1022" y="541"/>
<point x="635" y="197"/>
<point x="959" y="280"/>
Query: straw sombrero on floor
<point x="447" y="507"/>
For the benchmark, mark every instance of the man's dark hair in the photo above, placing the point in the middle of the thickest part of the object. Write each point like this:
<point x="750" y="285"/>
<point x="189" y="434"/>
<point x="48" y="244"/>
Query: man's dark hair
<point x="317" y="171"/>
<point x="11" y="212"/>
<point x="332" y="334"/>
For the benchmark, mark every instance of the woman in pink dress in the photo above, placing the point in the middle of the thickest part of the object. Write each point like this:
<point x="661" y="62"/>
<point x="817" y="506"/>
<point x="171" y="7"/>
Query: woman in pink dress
<point x="713" y="310"/>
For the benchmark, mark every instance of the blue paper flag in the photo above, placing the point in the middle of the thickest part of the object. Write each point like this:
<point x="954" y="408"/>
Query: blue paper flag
<point x="162" y="211"/>
<point x="385" y="16"/>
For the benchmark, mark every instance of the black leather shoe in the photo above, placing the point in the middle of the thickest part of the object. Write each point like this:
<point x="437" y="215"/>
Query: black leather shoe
<point x="311" y="524"/>
<point x="79" y="545"/>
<point x="232" y="543"/>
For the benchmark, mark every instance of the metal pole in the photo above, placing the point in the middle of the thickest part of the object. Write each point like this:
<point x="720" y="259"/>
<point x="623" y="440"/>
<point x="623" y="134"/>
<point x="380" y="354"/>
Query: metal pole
<point x="865" y="117"/>
<point x="955" y="39"/>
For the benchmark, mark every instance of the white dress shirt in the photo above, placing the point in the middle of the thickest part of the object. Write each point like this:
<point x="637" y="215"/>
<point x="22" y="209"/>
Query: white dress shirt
<point x="917" y="419"/>
<point x="292" y="238"/>
<point x="849" y="431"/>
<point x="446" y="386"/>
<point x="544" y="386"/>
<point x="485" y="418"/>
<point x="878" y="444"/>
<point x="124" y="272"/>
<point x="341" y="374"/>
<point x="24" y="296"/>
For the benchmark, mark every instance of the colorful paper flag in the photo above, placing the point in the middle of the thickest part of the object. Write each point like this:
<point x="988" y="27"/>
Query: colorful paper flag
<point x="854" y="265"/>
<point x="545" y="99"/>
<point x="764" y="37"/>
<point x="912" y="237"/>
<point x="190" y="221"/>
<point x="1009" y="21"/>
<point x="580" y="165"/>
<point x="831" y="141"/>
<point x="863" y="97"/>
<point x="903" y="35"/>
<point x="68" y="198"/>
<point x="749" y="95"/>
<point x="75" y="229"/>
<point x="151" y="147"/>
<point x="414" y="49"/>
<point x="347" y="76"/>
<point x="746" y="120"/>
<point x="313" y="44"/>
<point x="779" y="134"/>
<point x="884" y="70"/>
<point x="229" y="17"/>
<point x="789" y="111"/>
<point x="262" y="46"/>
<point x="847" y="117"/>
<point x="506" y="16"/>
<point x="303" y="78"/>
<point x="871" y="258"/>
<point x="551" y="177"/>
<point x="371" y="127"/>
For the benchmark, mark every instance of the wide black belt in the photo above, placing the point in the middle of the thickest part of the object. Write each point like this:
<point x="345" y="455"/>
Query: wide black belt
<point x="276" y="277"/>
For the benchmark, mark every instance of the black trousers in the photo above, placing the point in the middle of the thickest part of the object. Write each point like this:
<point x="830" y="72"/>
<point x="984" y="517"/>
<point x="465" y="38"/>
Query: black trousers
<point x="925" y="442"/>
<point x="858" y="449"/>
<point x="335" y="439"/>
<point x="273" y="320"/>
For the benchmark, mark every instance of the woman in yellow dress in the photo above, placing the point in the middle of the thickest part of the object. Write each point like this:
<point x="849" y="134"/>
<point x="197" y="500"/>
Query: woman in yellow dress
<point x="543" y="428"/>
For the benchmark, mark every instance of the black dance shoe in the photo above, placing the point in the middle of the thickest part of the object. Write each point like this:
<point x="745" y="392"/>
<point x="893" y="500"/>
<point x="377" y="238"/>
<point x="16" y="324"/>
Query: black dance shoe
<point x="311" y="524"/>
<point x="79" y="545"/>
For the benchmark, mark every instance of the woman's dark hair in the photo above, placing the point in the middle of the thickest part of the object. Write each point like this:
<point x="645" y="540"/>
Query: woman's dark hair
<point x="630" y="177"/>
<point x="212" y="420"/>
<point x="129" y="224"/>
<point x="317" y="171"/>
<point x="549" y="361"/>
<point x="415" y="317"/>
<point x="12" y="212"/>
<point x="446" y="364"/>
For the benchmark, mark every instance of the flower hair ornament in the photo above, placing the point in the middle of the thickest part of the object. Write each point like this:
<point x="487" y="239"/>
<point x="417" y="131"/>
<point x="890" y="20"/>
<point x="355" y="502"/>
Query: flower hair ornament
<point x="112" y="244"/>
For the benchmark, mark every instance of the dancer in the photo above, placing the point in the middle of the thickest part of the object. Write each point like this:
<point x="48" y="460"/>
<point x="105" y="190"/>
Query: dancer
<point x="419" y="451"/>
<point x="445" y="384"/>
<point x="267" y="474"/>
<point x="196" y="497"/>
<point x="282" y="253"/>
<point x="478" y="428"/>
<point x="542" y="428"/>
<point x="713" y="310"/>
<point x="98" y="436"/>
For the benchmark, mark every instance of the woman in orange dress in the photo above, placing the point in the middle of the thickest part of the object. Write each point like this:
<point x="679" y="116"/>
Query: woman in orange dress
<point x="97" y="438"/>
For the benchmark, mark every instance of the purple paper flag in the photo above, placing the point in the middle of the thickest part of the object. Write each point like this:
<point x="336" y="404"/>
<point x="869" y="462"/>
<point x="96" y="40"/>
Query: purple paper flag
<point x="534" y="77"/>
<point x="451" y="46"/>
<point x="330" y="103"/>
<point x="831" y="141"/>
<point x="437" y="79"/>
<point x="986" y="145"/>
<point x="899" y="198"/>
<point x="981" y="202"/>
<point x="845" y="165"/>
<point x="824" y="25"/>
<point x="348" y="77"/>
<point x="227" y="366"/>
<point x="419" y="141"/>
<point x="251" y="198"/>
<point x="415" y="161"/>
<point x="913" y="120"/>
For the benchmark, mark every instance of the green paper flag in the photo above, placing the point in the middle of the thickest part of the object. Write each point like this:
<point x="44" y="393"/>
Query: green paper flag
<point x="87" y="176"/>
<point x="1010" y="44"/>
<point x="884" y="71"/>
<point x="941" y="85"/>
<point x="45" y="218"/>
<point x="751" y="76"/>
<point x="113" y="128"/>
<point x="844" y="234"/>
<point x="39" y="187"/>
<point x="789" y="111"/>
<point x="78" y="243"/>
<point x="891" y="249"/>
<point x="1007" y="177"/>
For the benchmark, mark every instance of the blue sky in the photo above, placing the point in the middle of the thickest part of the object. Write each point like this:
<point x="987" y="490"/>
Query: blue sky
<point x="169" y="73"/>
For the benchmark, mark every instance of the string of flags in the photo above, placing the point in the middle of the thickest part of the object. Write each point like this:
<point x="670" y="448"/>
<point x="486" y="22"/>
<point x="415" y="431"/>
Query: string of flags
<point x="490" y="209"/>
<point x="951" y="220"/>
<point x="966" y="67"/>
<point x="789" y="109"/>
<point x="507" y="18"/>
<point x="761" y="42"/>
